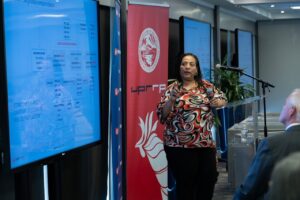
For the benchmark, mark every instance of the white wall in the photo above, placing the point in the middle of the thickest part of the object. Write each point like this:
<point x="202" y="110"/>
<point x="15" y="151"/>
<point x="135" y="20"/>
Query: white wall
<point x="279" y="59"/>
<point x="110" y="3"/>
<point x="229" y="21"/>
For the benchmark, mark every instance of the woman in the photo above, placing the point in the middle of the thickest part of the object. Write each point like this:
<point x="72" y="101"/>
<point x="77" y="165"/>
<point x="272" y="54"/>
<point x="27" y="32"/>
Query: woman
<point x="186" y="111"/>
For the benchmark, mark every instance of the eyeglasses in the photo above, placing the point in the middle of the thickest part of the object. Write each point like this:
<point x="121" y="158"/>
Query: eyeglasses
<point x="192" y="64"/>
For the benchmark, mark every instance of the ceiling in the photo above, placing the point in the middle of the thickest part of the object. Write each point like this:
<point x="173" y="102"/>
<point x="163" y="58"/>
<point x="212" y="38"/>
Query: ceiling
<point x="256" y="9"/>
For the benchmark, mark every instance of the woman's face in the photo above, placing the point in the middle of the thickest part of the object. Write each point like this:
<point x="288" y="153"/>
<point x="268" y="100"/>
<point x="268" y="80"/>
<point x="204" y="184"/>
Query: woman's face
<point x="188" y="68"/>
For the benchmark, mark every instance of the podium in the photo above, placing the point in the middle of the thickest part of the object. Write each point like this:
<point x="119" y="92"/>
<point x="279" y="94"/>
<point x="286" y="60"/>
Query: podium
<point x="243" y="138"/>
<point x="242" y="128"/>
<point x="231" y="114"/>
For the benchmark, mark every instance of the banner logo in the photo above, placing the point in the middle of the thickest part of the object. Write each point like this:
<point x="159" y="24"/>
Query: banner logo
<point x="149" y="50"/>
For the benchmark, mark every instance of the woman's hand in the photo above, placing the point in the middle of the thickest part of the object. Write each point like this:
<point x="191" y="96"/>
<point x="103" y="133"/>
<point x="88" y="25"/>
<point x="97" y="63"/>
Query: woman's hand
<point x="168" y="107"/>
<point x="174" y="94"/>
<point x="217" y="102"/>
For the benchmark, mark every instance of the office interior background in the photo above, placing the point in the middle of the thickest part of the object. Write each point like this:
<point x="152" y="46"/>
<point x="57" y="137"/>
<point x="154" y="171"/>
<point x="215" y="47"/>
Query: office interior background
<point x="83" y="174"/>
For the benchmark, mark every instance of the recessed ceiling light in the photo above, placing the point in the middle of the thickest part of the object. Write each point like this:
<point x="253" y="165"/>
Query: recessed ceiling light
<point x="282" y="12"/>
<point x="295" y="7"/>
<point x="272" y="5"/>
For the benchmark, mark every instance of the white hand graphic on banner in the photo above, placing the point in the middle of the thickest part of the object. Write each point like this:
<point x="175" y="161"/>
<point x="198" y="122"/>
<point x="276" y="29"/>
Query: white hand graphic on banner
<point x="152" y="146"/>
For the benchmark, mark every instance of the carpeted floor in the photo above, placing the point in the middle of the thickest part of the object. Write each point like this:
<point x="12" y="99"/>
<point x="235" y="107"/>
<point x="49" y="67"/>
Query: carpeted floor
<point x="223" y="190"/>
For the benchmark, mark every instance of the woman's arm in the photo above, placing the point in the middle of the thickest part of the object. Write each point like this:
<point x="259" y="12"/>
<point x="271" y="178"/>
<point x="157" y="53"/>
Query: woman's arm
<point x="219" y="99"/>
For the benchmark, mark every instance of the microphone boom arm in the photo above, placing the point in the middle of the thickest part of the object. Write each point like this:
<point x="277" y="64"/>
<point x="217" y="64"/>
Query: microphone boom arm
<point x="264" y="84"/>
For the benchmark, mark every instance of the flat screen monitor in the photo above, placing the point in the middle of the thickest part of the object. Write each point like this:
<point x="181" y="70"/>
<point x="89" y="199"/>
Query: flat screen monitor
<point x="245" y="54"/>
<point x="52" y="77"/>
<point x="196" y="38"/>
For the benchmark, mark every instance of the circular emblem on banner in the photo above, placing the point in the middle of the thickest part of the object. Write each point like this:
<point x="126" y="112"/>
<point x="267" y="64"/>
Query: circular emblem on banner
<point x="149" y="50"/>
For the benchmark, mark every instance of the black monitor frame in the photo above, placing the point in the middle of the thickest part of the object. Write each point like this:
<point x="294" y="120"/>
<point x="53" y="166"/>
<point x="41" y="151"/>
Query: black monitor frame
<point x="181" y="39"/>
<point x="5" y="160"/>
<point x="237" y="49"/>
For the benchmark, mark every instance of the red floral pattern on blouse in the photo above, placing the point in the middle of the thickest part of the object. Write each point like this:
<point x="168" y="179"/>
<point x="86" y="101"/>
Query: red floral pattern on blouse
<point x="189" y="123"/>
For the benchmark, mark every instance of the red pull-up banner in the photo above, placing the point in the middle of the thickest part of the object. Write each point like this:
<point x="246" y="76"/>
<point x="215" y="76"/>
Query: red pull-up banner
<point x="147" y="67"/>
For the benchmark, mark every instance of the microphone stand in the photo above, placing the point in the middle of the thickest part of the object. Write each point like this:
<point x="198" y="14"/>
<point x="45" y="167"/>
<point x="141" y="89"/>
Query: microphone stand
<point x="264" y="85"/>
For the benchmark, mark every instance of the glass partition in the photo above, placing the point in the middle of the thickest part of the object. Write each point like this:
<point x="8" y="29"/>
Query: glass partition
<point x="233" y="114"/>
<point x="244" y="136"/>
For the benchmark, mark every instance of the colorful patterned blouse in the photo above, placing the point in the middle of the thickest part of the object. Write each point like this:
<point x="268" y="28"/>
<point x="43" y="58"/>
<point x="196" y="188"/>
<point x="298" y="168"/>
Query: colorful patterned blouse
<point x="189" y="123"/>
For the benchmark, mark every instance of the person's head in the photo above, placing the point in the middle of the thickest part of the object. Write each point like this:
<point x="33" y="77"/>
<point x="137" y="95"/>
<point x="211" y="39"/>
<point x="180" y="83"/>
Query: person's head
<point x="285" y="179"/>
<point x="189" y="68"/>
<point x="290" y="112"/>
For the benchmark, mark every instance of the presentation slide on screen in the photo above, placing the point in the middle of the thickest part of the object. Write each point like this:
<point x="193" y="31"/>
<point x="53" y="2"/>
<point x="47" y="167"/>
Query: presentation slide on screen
<point x="52" y="71"/>
<point x="245" y="54"/>
<point x="197" y="40"/>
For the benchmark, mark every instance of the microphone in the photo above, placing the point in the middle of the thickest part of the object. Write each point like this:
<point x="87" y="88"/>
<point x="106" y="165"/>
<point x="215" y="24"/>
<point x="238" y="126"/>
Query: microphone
<point x="236" y="69"/>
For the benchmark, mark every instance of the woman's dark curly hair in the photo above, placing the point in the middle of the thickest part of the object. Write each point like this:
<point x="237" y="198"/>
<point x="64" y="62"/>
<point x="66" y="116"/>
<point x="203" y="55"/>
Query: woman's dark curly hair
<point x="198" y="77"/>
